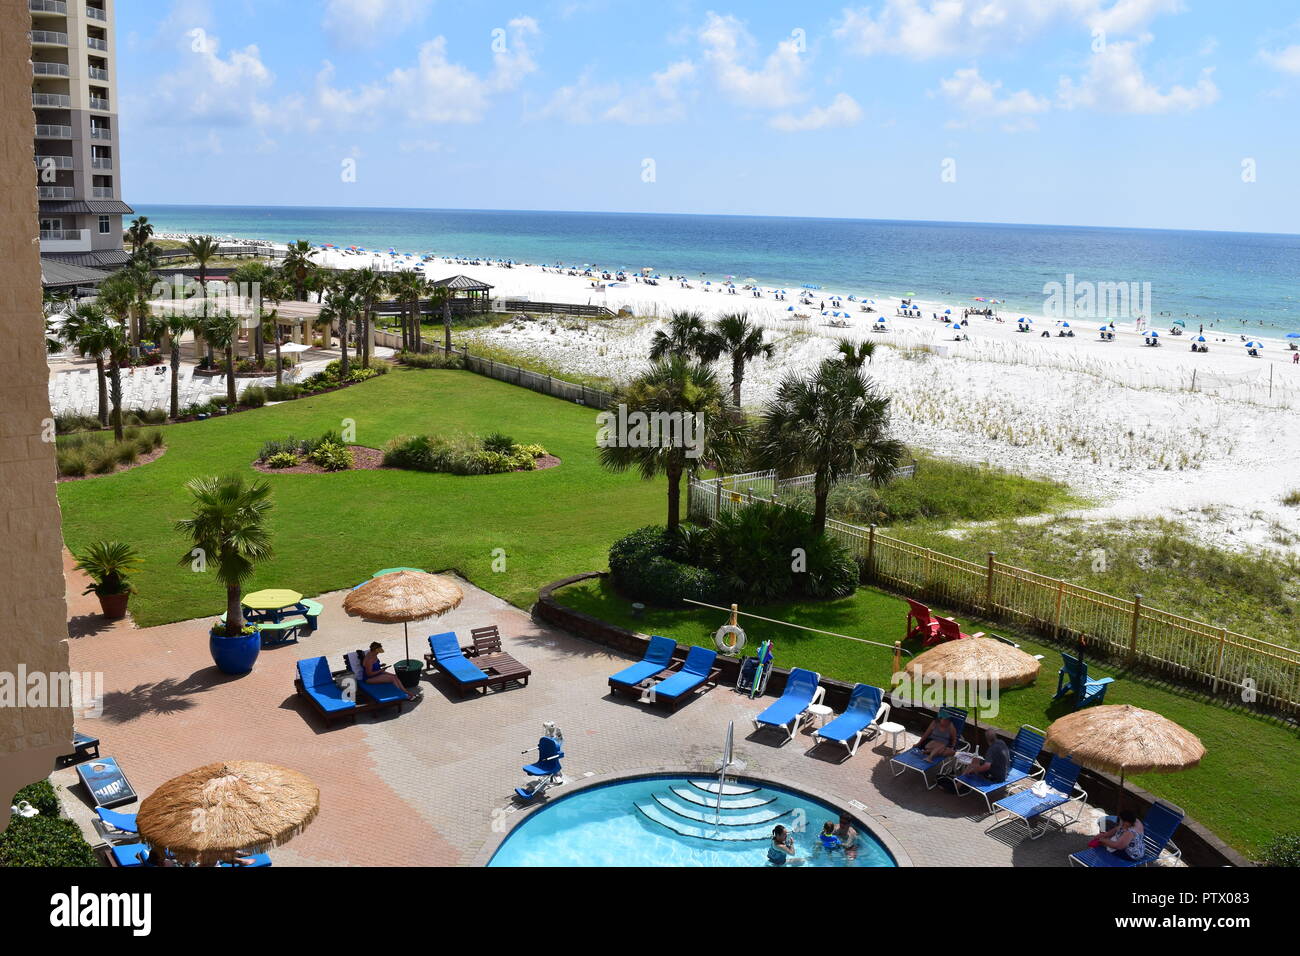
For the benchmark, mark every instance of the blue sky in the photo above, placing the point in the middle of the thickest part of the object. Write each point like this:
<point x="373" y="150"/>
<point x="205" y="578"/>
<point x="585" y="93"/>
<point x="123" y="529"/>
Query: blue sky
<point x="1143" y="113"/>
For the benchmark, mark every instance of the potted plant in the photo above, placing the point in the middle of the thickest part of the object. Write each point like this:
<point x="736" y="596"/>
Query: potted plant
<point x="109" y="565"/>
<point x="229" y="536"/>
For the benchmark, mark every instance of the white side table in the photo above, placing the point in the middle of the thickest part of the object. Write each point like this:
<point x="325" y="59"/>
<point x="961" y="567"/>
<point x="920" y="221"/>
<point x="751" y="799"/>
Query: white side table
<point x="894" y="732"/>
<point x="818" y="714"/>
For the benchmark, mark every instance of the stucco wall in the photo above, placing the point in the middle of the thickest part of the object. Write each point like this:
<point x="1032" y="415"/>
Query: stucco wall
<point x="33" y="616"/>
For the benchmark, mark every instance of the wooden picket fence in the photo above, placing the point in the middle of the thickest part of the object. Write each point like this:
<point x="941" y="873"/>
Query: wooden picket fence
<point x="1223" y="662"/>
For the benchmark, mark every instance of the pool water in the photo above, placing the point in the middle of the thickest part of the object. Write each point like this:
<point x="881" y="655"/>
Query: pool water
<point x="670" y="821"/>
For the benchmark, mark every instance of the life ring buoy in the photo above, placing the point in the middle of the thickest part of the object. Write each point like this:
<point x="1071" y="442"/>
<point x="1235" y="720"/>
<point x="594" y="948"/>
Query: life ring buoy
<point x="735" y="645"/>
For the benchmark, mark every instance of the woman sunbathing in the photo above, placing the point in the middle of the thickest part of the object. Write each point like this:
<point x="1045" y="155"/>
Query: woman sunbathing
<point x="376" y="674"/>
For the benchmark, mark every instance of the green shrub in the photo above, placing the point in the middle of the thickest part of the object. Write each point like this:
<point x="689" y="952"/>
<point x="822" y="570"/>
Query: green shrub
<point x="67" y="424"/>
<point x="281" y="459"/>
<point x="772" y="554"/>
<point x="458" y="454"/>
<point x="143" y="416"/>
<point x="431" y="360"/>
<point x="1282" y="850"/>
<point x="41" y="796"/>
<point x="102" y="462"/>
<point x="1292" y="498"/>
<point x="126" y="453"/>
<point x="641" y="568"/>
<point x="73" y="464"/>
<point x="532" y="451"/>
<point x="44" y="840"/>
<point x="253" y="397"/>
<point x="284" y="392"/>
<point x="332" y="456"/>
<point x="498" y="442"/>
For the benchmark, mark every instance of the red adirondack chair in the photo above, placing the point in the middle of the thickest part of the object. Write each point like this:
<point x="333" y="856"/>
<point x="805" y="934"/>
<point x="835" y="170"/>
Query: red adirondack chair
<point x="925" y="626"/>
<point x="949" y="630"/>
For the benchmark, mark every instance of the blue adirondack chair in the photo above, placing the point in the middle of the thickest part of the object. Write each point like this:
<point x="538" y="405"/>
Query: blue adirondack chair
<point x="1073" y="679"/>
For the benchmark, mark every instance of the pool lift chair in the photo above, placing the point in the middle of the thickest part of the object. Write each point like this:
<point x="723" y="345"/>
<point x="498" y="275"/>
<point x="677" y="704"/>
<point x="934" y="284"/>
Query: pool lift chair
<point x="546" y="771"/>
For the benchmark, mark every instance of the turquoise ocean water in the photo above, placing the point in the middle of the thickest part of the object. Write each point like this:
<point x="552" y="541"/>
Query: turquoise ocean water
<point x="1235" y="281"/>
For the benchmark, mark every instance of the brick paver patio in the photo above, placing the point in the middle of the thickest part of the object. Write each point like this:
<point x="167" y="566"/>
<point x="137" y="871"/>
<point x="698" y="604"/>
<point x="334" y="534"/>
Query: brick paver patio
<point x="421" y="787"/>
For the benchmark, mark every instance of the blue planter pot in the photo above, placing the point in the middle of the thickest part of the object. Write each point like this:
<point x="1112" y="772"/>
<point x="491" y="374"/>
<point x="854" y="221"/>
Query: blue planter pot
<point x="234" y="655"/>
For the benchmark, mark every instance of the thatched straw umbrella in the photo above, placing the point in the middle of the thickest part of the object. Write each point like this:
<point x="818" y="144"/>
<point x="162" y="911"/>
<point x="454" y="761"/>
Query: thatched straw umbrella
<point x="402" y="597"/>
<point x="215" y="813"/>
<point x="1123" y="739"/>
<point x="975" y="659"/>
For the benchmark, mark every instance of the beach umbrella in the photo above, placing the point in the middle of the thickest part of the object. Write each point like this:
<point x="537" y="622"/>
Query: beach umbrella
<point x="1123" y="739"/>
<point x="789" y="308"/>
<point x="1151" y="334"/>
<point x="947" y="311"/>
<point x="1104" y="328"/>
<point x="223" y="810"/>
<point x="975" y="659"/>
<point x="1180" y="322"/>
<point x="403" y="596"/>
<point x="1293" y="335"/>
<point x="1254" y="345"/>
<point x="1199" y="338"/>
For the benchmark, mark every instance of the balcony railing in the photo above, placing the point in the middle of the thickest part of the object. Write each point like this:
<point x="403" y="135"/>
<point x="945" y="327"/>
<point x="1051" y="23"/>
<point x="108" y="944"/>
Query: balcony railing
<point x="56" y="100"/>
<point x="95" y="73"/>
<point x="56" y="192"/>
<point x="60" y="235"/>
<point x="45" y="131"/>
<point x="47" y="6"/>
<point x="94" y="13"/>
<point x="48" y="38"/>
<point x="54" y="162"/>
<point x="40" y="68"/>
<point x="101" y="192"/>
<point x="101" y="162"/>
<point x="98" y="103"/>
<point x="100" y="132"/>
<point x="95" y="43"/>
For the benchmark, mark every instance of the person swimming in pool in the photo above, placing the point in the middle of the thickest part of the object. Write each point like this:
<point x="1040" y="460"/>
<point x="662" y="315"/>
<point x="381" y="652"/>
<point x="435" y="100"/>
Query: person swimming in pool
<point x="781" y="850"/>
<point x="830" y="840"/>
<point x="848" y="835"/>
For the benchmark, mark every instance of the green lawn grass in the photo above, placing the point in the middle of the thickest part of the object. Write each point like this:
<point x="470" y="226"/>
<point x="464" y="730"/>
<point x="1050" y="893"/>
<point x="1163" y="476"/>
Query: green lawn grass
<point x="1244" y="789"/>
<point x="334" y="530"/>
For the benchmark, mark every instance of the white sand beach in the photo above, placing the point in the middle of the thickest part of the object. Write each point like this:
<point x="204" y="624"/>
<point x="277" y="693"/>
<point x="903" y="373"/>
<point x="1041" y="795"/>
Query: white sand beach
<point x="1210" y="439"/>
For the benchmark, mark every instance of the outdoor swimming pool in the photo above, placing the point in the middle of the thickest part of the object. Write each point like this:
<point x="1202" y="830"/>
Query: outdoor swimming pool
<point x="670" y="821"/>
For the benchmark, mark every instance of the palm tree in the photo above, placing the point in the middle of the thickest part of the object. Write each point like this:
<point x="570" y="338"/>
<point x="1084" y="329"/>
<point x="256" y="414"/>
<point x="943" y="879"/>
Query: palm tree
<point x="139" y="233"/>
<point x="229" y="528"/>
<point x="368" y="286"/>
<point x="140" y="273"/>
<point x="440" y="298"/>
<point x="683" y="389"/>
<point x="685" y="337"/>
<point x="298" y="267"/>
<point x="408" y="288"/>
<point x="222" y="332"/>
<point x="203" y="249"/>
<point x="340" y="307"/>
<point x="253" y="277"/>
<point x="118" y="296"/>
<point x="834" y="424"/>
<point x="735" y="336"/>
<point x="176" y="324"/>
<point x="854" y="354"/>
<point x="273" y="290"/>
<point x="86" y="330"/>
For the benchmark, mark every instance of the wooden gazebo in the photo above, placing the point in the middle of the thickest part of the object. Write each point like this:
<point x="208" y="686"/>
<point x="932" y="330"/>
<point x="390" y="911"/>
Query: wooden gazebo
<point x="467" y="295"/>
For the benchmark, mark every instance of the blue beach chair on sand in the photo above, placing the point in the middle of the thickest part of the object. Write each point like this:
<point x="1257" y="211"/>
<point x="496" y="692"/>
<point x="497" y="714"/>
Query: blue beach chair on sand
<point x="802" y="690"/>
<point x="658" y="655"/>
<point x="1162" y="821"/>
<point x="697" y="669"/>
<point x="1062" y="780"/>
<point x="915" y="759"/>
<point x="1024" y="766"/>
<point x="866" y="711"/>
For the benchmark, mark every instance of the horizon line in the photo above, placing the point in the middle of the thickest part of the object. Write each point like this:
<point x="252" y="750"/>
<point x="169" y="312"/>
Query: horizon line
<point x="605" y="212"/>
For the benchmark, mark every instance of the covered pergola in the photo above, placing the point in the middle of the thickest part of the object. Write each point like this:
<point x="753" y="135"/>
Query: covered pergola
<point x="467" y="295"/>
<point x="294" y="320"/>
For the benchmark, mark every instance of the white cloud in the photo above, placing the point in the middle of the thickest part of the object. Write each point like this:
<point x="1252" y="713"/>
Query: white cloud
<point x="662" y="100"/>
<point x="923" y="29"/>
<point x="777" y="84"/>
<point x="581" y="102"/>
<point x="434" y="89"/>
<point x="979" y="98"/>
<point x="210" y="88"/>
<point x="1116" y="83"/>
<point x="1285" y="61"/>
<point x="843" y="111"/>
<point x="360" y="23"/>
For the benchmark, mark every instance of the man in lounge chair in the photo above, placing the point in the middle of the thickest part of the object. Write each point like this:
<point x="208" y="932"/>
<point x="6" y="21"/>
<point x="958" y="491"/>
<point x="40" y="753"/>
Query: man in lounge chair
<point x="996" y="763"/>
<point x="939" y="739"/>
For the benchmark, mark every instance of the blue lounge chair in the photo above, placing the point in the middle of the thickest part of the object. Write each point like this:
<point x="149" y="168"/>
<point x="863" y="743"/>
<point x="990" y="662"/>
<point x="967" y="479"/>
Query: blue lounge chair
<point x="915" y="759"/>
<point x="1063" y="780"/>
<point x="1024" y="766"/>
<point x="1073" y="678"/>
<point x="451" y="660"/>
<point x="802" y="690"/>
<point x="117" y="825"/>
<point x="259" y="859"/>
<point x="658" y="655"/>
<point x="317" y="685"/>
<point x="696" y="670"/>
<point x="1162" y="821"/>
<point x="128" y="854"/>
<point x="867" y="709"/>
